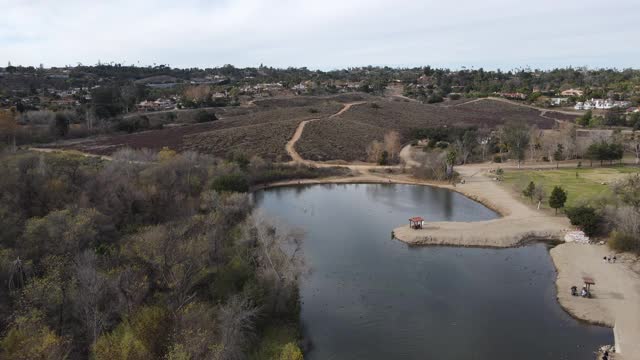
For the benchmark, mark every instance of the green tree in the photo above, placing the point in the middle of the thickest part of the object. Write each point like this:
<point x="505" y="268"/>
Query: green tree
<point x="61" y="124"/>
<point x="529" y="190"/>
<point x="558" y="198"/>
<point x="107" y="102"/>
<point x="585" y="119"/>
<point x="204" y="116"/>
<point x="558" y="155"/>
<point x="64" y="232"/>
<point x="451" y="160"/>
<point x="384" y="158"/>
<point x="28" y="338"/>
<point x="291" y="351"/>
<point x="143" y="336"/>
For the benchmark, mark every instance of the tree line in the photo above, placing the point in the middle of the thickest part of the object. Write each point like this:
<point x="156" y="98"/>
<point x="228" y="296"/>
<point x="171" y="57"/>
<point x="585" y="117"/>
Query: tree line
<point x="151" y="255"/>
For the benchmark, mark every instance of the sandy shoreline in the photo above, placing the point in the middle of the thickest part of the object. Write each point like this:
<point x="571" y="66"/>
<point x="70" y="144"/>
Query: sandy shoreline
<point x="519" y="223"/>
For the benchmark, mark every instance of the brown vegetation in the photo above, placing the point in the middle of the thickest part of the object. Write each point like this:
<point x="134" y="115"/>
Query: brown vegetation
<point x="347" y="136"/>
<point x="261" y="130"/>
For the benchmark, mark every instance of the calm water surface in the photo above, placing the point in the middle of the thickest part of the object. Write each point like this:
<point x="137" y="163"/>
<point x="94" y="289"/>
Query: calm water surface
<point x="370" y="297"/>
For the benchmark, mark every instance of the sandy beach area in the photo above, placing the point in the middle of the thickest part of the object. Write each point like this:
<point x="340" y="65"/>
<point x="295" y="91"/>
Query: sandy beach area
<point x="519" y="223"/>
<point x="616" y="294"/>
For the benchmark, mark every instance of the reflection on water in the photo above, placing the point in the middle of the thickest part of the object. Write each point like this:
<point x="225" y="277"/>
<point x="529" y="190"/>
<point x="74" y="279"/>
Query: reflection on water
<point x="369" y="297"/>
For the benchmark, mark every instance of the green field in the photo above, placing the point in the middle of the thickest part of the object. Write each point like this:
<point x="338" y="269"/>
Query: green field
<point x="589" y="184"/>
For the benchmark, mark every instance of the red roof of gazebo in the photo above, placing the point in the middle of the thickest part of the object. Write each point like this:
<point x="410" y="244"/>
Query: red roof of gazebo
<point x="416" y="219"/>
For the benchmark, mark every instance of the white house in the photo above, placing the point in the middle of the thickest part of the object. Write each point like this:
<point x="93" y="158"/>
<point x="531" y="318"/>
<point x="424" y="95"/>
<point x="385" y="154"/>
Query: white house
<point x="601" y="104"/>
<point x="557" y="101"/>
<point x="299" y="87"/>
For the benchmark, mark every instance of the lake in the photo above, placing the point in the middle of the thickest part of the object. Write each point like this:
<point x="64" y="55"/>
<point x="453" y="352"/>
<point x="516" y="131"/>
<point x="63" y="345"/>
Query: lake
<point x="370" y="297"/>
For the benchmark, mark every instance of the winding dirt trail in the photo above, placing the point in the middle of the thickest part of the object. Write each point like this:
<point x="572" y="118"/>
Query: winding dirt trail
<point x="291" y="144"/>
<point x="542" y="110"/>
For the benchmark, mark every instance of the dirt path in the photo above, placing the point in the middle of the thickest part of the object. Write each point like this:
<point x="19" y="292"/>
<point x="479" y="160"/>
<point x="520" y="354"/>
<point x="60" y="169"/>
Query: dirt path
<point x="290" y="147"/>
<point x="542" y="111"/>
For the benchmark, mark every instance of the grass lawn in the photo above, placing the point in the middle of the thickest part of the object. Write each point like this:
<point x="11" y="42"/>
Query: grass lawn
<point x="589" y="184"/>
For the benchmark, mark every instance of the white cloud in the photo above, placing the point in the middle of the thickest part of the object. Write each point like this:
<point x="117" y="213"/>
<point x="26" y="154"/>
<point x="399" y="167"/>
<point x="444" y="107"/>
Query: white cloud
<point x="321" y="34"/>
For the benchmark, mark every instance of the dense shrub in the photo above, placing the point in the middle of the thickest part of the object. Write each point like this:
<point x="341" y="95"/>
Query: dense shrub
<point x="204" y="116"/>
<point x="586" y="218"/>
<point x="132" y="124"/>
<point x="497" y="158"/>
<point x="622" y="242"/>
<point x="231" y="183"/>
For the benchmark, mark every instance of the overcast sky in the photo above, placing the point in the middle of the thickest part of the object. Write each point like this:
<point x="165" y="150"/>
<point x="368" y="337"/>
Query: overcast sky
<point x="324" y="34"/>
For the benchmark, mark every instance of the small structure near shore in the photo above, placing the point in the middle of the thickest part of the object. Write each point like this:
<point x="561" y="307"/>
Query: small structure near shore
<point x="588" y="281"/>
<point x="416" y="222"/>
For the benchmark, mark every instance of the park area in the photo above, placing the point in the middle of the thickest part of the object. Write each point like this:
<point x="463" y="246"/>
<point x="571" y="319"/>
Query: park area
<point x="582" y="184"/>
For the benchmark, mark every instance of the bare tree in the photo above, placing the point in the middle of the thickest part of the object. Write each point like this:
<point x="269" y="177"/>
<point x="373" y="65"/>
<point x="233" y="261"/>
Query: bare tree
<point x="91" y="287"/>
<point x="374" y="151"/>
<point x="432" y="166"/>
<point x="535" y="143"/>
<point x="237" y="327"/>
<point x="8" y="126"/>
<point x="280" y="257"/>
<point x="392" y="145"/>
<point x="466" y="145"/>
<point x="516" y="136"/>
<point x="484" y="139"/>
<point x="627" y="220"/>
<point x="539" y="194"/>
<point x="132" y="286"/>
<point x="633" y="145"/>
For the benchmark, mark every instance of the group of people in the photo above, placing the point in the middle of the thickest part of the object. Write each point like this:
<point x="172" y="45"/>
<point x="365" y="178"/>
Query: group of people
<point x="610" y="259"/>
<point x="583" y="293"/>
<point x="605" y="355"/>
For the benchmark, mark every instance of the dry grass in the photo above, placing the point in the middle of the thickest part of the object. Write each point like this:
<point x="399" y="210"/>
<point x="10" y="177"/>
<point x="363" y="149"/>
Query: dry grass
<point x="265" y="128"/>
<point x="562" y="116"/>
<point x="346" y="136"/>
<point x="493" y="113"/>
<point x="267" y="140"/>
<point x="336" y="138"/>
<point x="236" y="130"/>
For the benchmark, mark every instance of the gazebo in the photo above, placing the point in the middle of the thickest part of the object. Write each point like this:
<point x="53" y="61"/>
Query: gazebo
<point x="588" y="281"/>
<point x="416" y="222"/>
